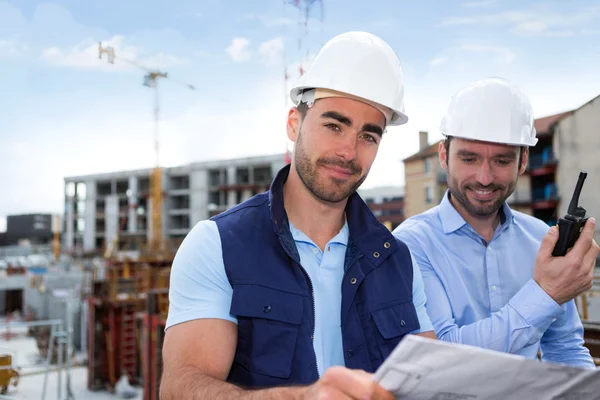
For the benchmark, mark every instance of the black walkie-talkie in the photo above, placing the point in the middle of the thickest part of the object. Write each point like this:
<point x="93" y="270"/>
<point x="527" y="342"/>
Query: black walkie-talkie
<point x="570" y="226"/>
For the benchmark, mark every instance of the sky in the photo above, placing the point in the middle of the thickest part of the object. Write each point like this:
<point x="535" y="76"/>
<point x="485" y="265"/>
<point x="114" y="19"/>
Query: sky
<point x="66" y="112"/>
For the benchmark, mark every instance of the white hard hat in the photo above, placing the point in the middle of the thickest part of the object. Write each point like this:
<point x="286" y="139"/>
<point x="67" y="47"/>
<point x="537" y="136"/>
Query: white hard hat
<point x="491" y="110"/>
<point x="361" y="65"/>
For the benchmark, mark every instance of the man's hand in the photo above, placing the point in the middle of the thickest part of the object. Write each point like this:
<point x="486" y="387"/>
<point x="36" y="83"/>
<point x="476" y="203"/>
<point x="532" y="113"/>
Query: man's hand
<point x="563" y="278"/>
<point x="343" y="383"/>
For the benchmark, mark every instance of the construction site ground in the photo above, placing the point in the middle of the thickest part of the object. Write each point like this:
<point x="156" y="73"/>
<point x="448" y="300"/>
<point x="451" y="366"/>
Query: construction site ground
<point x="31" y="382"/>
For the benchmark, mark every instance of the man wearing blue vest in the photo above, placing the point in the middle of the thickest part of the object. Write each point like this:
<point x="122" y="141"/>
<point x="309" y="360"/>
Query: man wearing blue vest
<point x="490" y="277"/>
<point x="300" y="292"/>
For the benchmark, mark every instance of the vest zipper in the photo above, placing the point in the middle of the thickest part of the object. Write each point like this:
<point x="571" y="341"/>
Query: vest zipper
<point x="313" y="303"/>
<point x="342" y="297"/>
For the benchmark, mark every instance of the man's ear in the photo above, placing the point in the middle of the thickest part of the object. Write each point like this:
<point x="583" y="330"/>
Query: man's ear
<point x="294" y="120"/>
<point x="443" y="156"/>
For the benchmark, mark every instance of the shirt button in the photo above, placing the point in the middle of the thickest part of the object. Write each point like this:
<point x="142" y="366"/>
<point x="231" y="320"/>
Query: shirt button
<point x="350" y="353"/>
<point x="402" y="323"/>
<point x="386" y="245"/>
<point x="494" y="288"/>
<point x="267" y="308"/>
<point x="376" y="255"/>
<point x="353" y="281"/>
<point x="315" y="250"/>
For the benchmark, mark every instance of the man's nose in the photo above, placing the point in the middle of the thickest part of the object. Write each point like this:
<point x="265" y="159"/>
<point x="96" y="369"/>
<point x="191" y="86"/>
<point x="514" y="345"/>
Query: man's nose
<point x="485" y="175"/>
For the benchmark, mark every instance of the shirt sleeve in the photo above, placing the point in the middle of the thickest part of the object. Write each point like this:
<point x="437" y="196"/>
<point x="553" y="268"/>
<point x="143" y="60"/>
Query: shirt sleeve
<point x="520" y="323"/>
<point x="420" y="300"/>
<point x="199" y="287"/>
<point x="563" y="341"/>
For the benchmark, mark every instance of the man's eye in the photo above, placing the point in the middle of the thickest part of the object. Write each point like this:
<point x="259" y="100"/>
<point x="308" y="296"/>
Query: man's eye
<point x="333" y="127"/>
<point x="504" y="162"/>
<point x="468" y="160"/>
<point x="369" y="138"/>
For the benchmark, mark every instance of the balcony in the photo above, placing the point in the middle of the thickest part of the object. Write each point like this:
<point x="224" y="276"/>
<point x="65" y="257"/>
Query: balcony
<point x="542" y="163"/>
<point x="545" y="197"/>
<point x="388" y="205"/>
<point x="181" y="182"/>
<point x="179" y="203"/>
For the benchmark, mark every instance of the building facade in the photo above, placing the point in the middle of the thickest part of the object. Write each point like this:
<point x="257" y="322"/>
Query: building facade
<point x="425" y="180"/>
<point x="34" y="229"/>
<point x="576" y="147"/>
<point x="387" y="204"/>
<point x="97" y="207"/>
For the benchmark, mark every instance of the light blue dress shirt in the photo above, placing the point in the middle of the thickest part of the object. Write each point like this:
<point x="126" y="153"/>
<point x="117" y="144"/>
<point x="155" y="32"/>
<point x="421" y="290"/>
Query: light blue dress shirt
<point x="199" y="287"/>
<point x="483" y="294"/>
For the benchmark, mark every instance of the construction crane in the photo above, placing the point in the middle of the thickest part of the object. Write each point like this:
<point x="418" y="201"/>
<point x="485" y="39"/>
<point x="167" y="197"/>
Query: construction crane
<point x="157" y="245"/>
<point x="306" y="12"/>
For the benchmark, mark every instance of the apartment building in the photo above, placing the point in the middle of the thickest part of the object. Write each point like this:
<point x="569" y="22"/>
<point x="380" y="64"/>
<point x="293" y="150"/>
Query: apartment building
<point x="425" y="180"/>
<point x="387" y="204"/>
<point x="98" y="206"/>
<point x="576" y="147"/>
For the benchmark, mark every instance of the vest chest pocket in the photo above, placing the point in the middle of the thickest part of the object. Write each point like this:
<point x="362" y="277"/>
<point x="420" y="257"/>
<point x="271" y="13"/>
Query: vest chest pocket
<point x="268" y="323"/>
<point x="392" y="324"/>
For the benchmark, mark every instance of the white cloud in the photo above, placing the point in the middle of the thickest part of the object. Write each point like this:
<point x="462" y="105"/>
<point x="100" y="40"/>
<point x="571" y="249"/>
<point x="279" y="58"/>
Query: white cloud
<point x="271" y="50"/>
<point x="238" y="49"/>
<point x="437" y="61"/>
<point x="11" y="47"/>
<point x="593" y="32"/>
<point x="532" y="26"/>
<point x="85" y="55"/>
<point x="539" y="27"/>
<point x="458" y="56"/>
<point x="503" y="54"/>
<point x="480" y="3"/>
<point x="268" y="20"/>
<point x="490" y="19"/>
<point x="533" y="22"/>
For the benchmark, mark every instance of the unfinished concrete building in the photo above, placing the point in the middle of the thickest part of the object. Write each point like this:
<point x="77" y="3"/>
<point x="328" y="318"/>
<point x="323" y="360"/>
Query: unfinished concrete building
<point x="97" y="207"/>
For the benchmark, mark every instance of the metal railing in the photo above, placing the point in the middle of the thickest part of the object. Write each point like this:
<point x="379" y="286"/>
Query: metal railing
<point x="548" y="192"/>
<point x="546" y="157"/>
<point x="64" y="337"/>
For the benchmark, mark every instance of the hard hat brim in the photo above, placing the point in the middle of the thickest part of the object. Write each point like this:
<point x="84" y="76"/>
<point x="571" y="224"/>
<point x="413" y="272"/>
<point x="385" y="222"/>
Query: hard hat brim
<point x="397" y="118"/>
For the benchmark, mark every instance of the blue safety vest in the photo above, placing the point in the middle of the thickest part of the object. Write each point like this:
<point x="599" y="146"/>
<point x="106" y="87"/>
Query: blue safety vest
<point x="273" y="297"/>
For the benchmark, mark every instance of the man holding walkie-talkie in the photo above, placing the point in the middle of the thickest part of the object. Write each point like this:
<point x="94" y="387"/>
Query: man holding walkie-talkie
<point x="494" y="277"/>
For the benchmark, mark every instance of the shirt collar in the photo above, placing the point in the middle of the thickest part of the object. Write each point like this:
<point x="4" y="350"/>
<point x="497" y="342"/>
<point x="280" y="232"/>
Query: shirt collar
<point x="364" y="231"/>
<point x="340" y="238"/>
<point x="453" y="221"/>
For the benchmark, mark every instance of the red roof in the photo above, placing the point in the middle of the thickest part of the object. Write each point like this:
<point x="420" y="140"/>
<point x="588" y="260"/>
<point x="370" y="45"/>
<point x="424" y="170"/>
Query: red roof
<point x="426" y="152"/>
<point x="543" y="125"/>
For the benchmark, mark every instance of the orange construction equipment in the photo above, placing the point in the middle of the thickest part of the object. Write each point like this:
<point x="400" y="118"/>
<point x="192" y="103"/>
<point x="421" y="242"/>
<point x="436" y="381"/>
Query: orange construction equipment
<point x="8" y="374"/>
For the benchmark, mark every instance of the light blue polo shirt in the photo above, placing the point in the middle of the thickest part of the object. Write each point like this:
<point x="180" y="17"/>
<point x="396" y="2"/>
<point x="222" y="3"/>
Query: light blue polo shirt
<point x="199" y="287"/>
